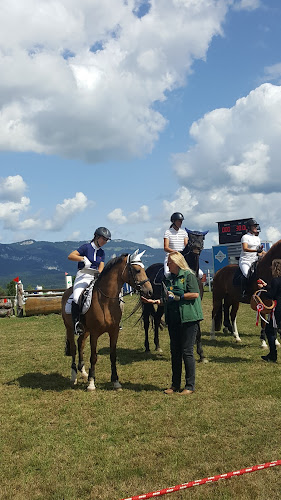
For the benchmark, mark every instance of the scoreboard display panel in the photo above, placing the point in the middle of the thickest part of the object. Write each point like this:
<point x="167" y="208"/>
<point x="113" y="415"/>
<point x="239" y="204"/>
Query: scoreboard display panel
<point x="232" y="231"/>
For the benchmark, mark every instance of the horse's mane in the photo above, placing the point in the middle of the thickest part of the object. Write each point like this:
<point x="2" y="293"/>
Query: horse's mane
<point x="273" y="253"/>
<point x="110" y="264"/>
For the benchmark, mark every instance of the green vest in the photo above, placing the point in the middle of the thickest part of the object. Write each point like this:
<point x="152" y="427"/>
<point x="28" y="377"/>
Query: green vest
<point x="185" y="310"/>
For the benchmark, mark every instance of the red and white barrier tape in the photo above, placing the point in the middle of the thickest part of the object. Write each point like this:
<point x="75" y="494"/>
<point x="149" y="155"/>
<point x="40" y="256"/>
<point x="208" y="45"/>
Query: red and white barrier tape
<point x="204" y="481"/>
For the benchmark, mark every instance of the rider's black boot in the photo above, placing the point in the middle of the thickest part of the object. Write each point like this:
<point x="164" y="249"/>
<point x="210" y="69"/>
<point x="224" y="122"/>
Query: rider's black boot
<point x="75" y="312"/>
<point x="244" y="294"/>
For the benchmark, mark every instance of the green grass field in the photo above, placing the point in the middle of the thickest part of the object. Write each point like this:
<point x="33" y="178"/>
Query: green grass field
<point x="67" y="444"/>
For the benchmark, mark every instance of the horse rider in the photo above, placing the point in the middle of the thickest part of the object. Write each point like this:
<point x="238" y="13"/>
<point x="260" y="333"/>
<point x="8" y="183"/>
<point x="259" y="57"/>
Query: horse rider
<point x="89" y="256"/>
<point x="250" y="252"/>
<point x="175" y="239"/>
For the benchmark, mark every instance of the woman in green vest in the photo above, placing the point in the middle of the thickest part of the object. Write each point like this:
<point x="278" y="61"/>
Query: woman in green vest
<point x="183" y="312"/>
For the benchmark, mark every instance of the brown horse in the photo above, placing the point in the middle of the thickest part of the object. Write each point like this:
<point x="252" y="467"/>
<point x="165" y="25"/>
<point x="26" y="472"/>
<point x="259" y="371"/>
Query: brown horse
<point x="104" y="314"/>
<point x="226" y="296"/>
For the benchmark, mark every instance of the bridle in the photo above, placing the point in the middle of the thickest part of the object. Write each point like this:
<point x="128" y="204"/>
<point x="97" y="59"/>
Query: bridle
<point x="137" y="284"/>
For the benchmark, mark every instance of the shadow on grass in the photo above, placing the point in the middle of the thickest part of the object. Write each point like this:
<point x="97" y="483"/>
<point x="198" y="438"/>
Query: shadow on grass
<point x="46" y="382"/>
<point x="129" y="386"/>
<point x="229" y="359"/>
<point x="220" y="342"/>
<point x="127" y="356"/>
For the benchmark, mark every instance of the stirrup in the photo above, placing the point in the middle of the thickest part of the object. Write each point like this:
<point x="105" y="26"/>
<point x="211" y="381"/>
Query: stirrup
<point x="78" y="328"/>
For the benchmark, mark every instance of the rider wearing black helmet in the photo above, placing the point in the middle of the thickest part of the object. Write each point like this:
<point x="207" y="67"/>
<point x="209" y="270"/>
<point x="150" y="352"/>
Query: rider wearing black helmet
<point x="251" y="250"/>
<point x="90" y="258"/>
<point x="175" y="238"/>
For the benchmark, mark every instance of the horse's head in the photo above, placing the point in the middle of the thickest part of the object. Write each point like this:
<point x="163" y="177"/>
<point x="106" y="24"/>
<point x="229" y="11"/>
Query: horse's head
<point x="136" y="275"/>
<point x="195" y="241"/>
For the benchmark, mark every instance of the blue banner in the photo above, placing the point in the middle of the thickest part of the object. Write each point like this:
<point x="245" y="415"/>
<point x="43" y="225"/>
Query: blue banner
<point x="220" y="257"/>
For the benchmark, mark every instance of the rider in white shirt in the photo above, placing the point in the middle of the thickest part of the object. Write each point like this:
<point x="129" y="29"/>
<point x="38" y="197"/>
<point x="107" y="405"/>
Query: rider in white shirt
<point x="251" y="249"/>
<point x="175" y="239"/>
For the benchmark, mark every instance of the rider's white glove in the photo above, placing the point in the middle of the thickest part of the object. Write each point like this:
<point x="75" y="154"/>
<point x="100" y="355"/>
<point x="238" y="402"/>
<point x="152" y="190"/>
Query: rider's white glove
<point x="87" y="262"/>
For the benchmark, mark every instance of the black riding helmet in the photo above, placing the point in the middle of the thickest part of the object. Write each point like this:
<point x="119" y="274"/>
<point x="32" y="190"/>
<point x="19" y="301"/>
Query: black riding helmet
<point x="252" y="222"/>
<point x="176" y="216"/>
<point x="103" y="231"/>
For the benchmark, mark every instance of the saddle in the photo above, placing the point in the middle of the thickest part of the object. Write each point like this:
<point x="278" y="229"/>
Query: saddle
<point x="239" y="277"/>
<point x="84" y="300"/>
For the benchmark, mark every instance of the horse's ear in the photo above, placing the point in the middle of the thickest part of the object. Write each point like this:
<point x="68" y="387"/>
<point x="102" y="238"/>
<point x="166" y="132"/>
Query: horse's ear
<point x="133" y="256"/>
<point x="196" y="232"/>
<point x="141" y="254"/>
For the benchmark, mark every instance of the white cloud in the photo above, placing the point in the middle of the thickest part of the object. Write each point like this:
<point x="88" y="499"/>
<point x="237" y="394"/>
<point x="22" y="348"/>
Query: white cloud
<point x="273" y="72"/>
<point x="153" y="242"/>
<point x="273" y="234"/>
<point x="117" y="217"/>
<point x="11" y="211"/>
<point x="65" y="63"/>
<point x="247" y="5"/>
<point x="236" y="147"/>
<point x="66" y="210"/>
<point x="12" y="188"/>
<point x="141" y="215"/>
<point x="184" y="202"/>
<point x="233" y="169"/>
<point x="75" y="236"/>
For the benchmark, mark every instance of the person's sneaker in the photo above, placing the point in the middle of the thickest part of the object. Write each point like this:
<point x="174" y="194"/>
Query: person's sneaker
<point x="268" y="359"/>
<point x="78" y="328"/>
<point x="171" y="390"/>
<point x="186" y="392"/>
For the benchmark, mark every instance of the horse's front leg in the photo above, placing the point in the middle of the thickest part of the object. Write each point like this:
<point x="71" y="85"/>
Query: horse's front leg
<point x="114" y="377"/>
<point x="93" y="360"/>
<point x="81" y="345"/>
<point x="70" y="350"/>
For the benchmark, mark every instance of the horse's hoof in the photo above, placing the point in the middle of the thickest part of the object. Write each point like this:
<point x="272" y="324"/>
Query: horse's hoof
<point x="277" y="343"/>
<point x="204" y="360"/>
<point x="225" y="331"/>
<point x="158" y="349"/>
<point x="117" y="386"/>
<point x="237" y="340"/>
<point x="91" y="388"/>
<point x="147" y="350"/>
<point x="263" y="344"/>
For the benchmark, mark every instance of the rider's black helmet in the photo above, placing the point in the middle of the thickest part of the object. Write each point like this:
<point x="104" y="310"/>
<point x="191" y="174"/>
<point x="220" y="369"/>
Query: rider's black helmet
<point x="103" y="231"/>
<point x="176" y="216"/>
<point x="252" y="222"/>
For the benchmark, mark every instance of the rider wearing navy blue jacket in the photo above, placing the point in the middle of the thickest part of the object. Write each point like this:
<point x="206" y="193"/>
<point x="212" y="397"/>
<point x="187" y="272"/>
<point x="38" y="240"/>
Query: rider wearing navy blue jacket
<point x="89" y="256"/>
<point x="94" y="254"/>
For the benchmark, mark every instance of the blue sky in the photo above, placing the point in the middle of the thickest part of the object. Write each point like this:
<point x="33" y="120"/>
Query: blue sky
<point x="118" y="113"/>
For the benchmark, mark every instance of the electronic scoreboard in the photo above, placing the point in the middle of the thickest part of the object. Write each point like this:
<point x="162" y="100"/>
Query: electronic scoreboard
<point x="232" y="231"/>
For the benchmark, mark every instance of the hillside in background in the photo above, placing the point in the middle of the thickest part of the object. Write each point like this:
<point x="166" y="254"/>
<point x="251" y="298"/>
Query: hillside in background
<point x="45" y="263"/>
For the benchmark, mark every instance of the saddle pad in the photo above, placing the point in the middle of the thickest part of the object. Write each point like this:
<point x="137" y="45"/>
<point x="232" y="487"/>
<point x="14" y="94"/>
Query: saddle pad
<point x="86" y="299"/>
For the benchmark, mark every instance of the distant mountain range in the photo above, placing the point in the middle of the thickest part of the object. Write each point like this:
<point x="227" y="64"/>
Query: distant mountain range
<point x="45" y="263"/>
